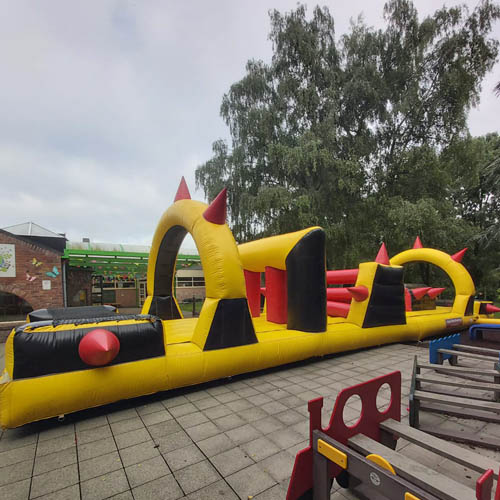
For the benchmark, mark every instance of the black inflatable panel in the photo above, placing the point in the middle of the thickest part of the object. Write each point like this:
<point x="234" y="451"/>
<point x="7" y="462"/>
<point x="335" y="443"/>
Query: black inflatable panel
<point x="163" y="304"/>
<point x="387" y="300"/>
<point x="42" y="353"/>
<point x="72" y="313"/>
<point x="232" y="325"/>
<point x="164" y="308"/>
<point x="469" y="308"/>
<point x="306" y="284"/>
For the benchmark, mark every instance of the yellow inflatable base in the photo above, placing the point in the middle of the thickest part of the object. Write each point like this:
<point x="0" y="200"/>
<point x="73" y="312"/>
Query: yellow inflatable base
<point x="31" y="399"/>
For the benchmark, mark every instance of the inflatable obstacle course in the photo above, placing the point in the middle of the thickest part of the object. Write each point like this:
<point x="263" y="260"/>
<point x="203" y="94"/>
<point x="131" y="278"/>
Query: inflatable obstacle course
<point x="49" y="373"/>
<point x="361" y="457"/>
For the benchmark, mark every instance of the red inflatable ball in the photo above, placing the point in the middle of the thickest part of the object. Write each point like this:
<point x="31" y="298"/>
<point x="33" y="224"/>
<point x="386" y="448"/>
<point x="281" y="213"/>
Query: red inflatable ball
<point x="98" y="347"/>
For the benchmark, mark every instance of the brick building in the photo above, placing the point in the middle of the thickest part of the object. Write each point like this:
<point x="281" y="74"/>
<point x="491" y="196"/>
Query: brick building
<point x="31" y="271"/>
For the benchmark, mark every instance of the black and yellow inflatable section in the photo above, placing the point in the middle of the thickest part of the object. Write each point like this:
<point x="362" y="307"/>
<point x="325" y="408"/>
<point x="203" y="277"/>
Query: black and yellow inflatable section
<point x="46" y="376"/>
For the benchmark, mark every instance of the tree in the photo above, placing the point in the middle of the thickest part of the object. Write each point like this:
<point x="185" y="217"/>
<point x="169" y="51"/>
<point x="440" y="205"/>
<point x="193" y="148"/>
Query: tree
<point x="347" y="133"/>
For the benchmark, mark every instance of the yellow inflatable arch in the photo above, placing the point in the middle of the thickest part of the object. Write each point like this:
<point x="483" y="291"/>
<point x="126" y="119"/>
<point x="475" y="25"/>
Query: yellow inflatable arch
<point x="226" y="303"/>
<point x="460" y="277"/>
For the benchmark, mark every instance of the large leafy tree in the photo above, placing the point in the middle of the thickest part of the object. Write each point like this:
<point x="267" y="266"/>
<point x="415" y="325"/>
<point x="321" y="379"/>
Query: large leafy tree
<point x="347" y="133"/>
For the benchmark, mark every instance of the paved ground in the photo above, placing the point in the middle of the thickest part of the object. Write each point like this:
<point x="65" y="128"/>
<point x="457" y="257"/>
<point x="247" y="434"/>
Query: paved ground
<point x="232" y="439"/>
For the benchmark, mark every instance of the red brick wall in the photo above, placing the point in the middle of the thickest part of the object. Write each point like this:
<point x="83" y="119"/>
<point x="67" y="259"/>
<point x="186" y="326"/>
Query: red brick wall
<point x="31" y="291"/>
<point x="78" y="280"/>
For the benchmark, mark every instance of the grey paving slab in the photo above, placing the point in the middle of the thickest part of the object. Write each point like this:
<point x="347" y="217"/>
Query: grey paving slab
<point x="146" y="471"/>
<point x="156" y="417"/>
<point x="164" y="488"/>
<point x="91" y="423"/>
<point x="215" y="444"/>
<point x="268" y="424"/>
<point x="99" y="465"/>
<point x="196" y="476"/>
<point x="96" y="448"/>
<point x="284" y="438"/>
<point x="138" y="453"/>
<point x="183" y="457"/>
<point x="277" y="492"/>
<point x="172" y="401"/>
<point x="184" y="409"/>
<point x="197" y="395"/>
<point x="231" y="461"/>
<point x="250" y="481"/>
<point x="203" y="431"/>
<point x="16" y="472"/>
<point x="47" y="463"/>
<point x="278" y="466"/>
<point x="130" y="424"/>
<point x="54" y="445"/>
<point x="217" y="411"/>
<point x="90" y="435"/>
<point x="11" y="440"/>
<point x="243" y="434"/>
<point x="69" y="493"/>
<point x="205" y="403"/>
<point x="219" y="490"/>
<point x="54" y="480"/>
<point x="126" y="495"/>
<point x="227" y="397"/>
<point x="104" y="486"/>
<point x="148" y="408"/>
<point x="16" y="491"/>
<point x="164" y="428"/>
<point x="229" y="422"/>
<point x="173" y="442"/>
<point x="192" y="419"/>
<point x="252" y="414"/>
<point x="133" y="437"/>
<point x="119" y="415"/>
<point x="260" y="448"/>
<point x="239" y="405"/>
<point x="56" y="431"/>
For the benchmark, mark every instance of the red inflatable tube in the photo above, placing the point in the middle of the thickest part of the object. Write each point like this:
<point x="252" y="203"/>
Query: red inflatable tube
<point x="339" y="309"/>
<point x="342" y="276"/>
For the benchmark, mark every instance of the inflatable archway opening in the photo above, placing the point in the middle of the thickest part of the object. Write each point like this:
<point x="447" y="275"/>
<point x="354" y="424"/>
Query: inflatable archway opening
<point x="224" y="319"/>
<point x="460" y="277"/>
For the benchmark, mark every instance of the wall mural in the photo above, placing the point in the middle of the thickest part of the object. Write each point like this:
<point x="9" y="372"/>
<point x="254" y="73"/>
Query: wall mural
<point x="7" y="261"/>
<point x="54" y="273"/>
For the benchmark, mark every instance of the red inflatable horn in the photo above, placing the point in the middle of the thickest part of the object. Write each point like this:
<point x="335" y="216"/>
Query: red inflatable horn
<point x="98" y="347"/>
<point x="217" y="210"/>
<point x="182" y="191"/>
<point x="359" y="293"/>
<point x="457" y="257"/>
<point x="382" y="256"/>
<point x="418" y="293"/>
<point x="434" y="292"/>
<point x="418" y="243"/>
<point x="490" y="309"/>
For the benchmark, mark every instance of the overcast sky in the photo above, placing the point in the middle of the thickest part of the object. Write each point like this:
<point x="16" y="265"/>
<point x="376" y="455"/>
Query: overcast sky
<point x="105" y="104"/>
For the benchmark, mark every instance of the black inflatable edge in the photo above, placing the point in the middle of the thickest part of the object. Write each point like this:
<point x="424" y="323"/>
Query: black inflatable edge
<point x="387" y="302"/>
<point x="83" y="321"/>
<point x="231" y="326"/>
<point x="306" y="284"/>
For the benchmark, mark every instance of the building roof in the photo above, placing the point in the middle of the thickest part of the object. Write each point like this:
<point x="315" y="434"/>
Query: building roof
<point x="118" y="247"/>
<point x="31" y="229"/>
